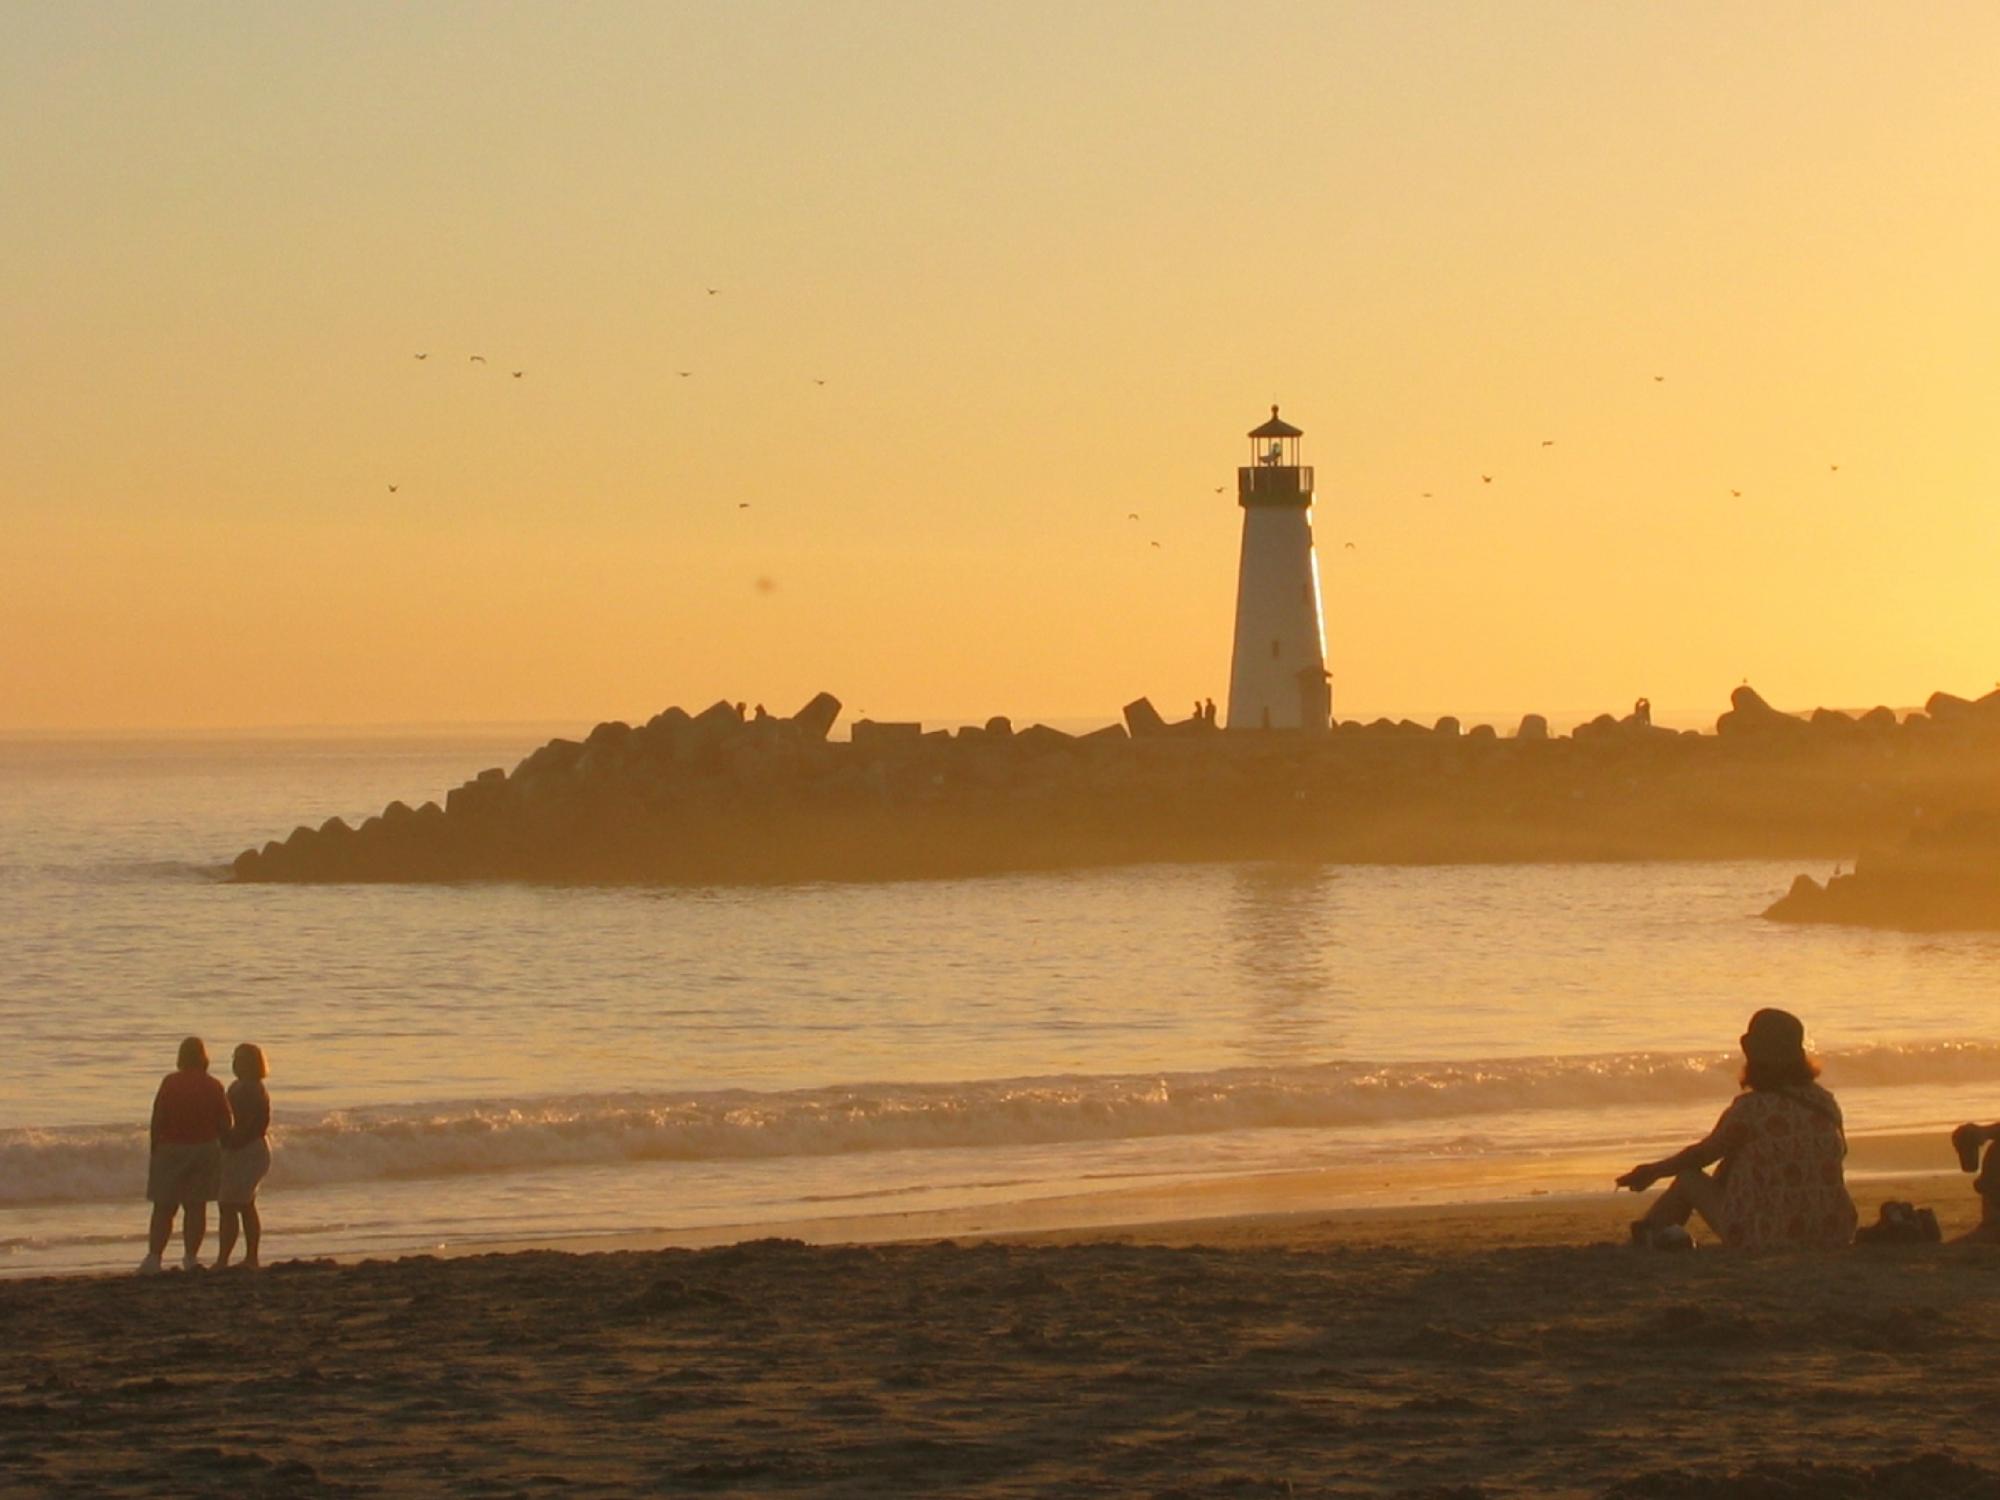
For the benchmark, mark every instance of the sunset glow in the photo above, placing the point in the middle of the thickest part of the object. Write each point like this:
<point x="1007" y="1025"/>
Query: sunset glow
<point x="1049" y="265"/>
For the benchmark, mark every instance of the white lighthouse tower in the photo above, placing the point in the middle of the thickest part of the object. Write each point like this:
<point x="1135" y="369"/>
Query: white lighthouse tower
<point x="1277" y="677"/>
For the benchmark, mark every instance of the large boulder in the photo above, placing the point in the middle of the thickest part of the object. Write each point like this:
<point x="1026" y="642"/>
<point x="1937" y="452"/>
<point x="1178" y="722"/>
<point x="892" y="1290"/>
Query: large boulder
<point x="1599" y="728"/>
<point x="815" y="721"/>
<point x="552" y="759"/>
<point x="1142" y="719"/>
<point x="720" y="717"/>
<point x="872" y="737"/>
<point x="1944" y="707"/>
<point x="1037" y="738"/>
<point x="1749" y="714"/>
<point x="1533" y="727"/>
<point x="1804" y="902"/>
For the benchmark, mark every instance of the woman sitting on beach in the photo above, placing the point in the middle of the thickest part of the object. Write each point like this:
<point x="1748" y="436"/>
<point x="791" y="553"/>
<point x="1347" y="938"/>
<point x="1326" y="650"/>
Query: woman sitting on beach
<point x="1967" y="1141"/>
<point x="246" y="1154"/>
<point x="1780" y="1144"/>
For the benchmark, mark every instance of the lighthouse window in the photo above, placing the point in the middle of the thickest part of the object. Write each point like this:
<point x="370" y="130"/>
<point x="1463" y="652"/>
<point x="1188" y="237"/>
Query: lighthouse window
<point x="1274" y="648"/>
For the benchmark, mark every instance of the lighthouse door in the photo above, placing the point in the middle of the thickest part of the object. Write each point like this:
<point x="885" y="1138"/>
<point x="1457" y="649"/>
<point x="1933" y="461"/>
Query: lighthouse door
<point x="1315" y="698"/>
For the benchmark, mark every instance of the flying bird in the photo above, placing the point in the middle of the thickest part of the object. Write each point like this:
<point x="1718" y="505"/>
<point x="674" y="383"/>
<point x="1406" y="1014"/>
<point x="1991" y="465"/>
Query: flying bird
<point x="1659" y="377"/>
<point x="1156" y="544"/>
<point x="478" y="359"/>
<point x="1427" y="494"/>
<point x="818" y="381"/>
<point x="1218" y="489"/>
<point x="742" y="504"/>
<point x="392" y="489"/>
<point x="715" y="291"/>
<point x="1348" y="545"/>
<point x="423" y="356"/>
<point x="1833" y="468"/>
<point x="684" y="373"/>
<point x="1736" y="494"/>
<point x="519" y="373"/>
<point x="1485" y="478"/>
<point x="1131" y="515"/>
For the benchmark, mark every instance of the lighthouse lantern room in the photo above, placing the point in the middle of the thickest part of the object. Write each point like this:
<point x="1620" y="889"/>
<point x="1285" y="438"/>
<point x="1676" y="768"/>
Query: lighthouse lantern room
<point x="1277" y="675"/>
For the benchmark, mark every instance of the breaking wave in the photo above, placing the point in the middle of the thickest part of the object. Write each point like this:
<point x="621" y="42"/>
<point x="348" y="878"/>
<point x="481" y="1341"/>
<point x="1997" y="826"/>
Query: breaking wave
<point x="83" y="1164"/>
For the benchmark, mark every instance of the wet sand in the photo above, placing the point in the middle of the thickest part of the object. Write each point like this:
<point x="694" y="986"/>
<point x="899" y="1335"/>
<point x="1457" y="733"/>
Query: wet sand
<point x="1441" y="1350"/>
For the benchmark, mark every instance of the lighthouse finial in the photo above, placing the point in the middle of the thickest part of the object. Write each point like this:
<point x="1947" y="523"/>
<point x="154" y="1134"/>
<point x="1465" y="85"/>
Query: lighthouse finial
<point x="1274" y="411"/>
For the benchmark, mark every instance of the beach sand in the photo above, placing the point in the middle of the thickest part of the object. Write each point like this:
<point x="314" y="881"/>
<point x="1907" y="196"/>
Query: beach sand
<point x="1439" y="1350"/>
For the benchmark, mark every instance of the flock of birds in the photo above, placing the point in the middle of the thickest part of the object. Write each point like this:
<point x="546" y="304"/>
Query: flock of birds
<point x="1734" y="494"/>
<point x="480" y="359"/>
<point x="716" y="291"/>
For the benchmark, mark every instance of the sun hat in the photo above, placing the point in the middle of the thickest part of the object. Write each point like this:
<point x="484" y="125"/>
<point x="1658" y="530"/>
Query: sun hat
<point x="1774" y="1036"/>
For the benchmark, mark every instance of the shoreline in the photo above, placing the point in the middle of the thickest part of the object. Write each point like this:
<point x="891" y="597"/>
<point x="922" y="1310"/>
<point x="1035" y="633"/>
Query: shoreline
<point x="1465" y="1350"/>
<point x="1572" y="1193"/>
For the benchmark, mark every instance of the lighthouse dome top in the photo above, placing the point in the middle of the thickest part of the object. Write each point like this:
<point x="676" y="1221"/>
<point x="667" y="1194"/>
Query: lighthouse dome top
<point x="1275" y="428"/>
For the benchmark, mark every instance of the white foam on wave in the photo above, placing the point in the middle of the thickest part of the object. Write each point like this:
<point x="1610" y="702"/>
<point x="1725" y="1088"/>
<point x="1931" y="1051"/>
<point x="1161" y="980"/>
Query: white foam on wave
<point x="82" y="1164"/>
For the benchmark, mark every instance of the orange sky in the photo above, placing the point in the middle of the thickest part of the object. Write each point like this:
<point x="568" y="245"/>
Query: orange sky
<point x="1051" y="262"/>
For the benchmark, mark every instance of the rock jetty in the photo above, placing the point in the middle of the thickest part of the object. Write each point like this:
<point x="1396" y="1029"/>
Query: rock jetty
<point x="722" y="796"/>
<point x="1945" y="876"/>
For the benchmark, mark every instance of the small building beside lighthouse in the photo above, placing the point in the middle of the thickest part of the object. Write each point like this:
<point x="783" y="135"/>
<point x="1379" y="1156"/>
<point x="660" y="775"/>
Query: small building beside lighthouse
<point x="1277" y="675"/>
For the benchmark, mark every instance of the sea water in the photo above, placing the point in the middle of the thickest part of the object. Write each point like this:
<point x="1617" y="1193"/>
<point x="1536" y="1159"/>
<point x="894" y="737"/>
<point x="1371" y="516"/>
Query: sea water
<point x="458" y="1065"/>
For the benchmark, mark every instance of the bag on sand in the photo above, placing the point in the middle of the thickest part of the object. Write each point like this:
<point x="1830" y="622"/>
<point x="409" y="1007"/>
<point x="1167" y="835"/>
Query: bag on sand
<point x="1900" y="1223"/>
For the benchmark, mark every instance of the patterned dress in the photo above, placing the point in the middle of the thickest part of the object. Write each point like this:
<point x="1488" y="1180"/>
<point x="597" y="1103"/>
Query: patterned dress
<point x="1780" y="1176"/>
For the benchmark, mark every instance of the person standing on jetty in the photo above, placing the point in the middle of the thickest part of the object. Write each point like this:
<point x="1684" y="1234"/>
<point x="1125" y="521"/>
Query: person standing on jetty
<point x="1780" y="1144"/>
<point x="184" y="1172"/>
<point x="246" y="1155"/>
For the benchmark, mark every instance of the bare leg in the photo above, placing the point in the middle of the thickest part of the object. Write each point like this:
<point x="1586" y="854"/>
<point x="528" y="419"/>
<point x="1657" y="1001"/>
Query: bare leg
<point x="253" y="1234"/>
<point x="160" y="1230"/>
<point x="194" y="1227"/>
<point x="1692" y="1193"/>
<point x="227" y="1214"/>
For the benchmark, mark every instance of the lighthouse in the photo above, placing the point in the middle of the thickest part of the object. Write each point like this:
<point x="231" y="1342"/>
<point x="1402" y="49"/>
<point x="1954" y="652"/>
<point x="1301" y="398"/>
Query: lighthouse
<point x="1277" y="676"/>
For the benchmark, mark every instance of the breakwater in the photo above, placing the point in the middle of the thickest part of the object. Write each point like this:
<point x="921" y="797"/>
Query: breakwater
<point x="1945" y="875"/>
<point x="722" y="796"/>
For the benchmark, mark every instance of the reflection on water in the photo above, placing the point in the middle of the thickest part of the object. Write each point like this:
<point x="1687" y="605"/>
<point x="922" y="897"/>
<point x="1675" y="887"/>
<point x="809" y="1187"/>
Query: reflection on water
<point x="461" y="1005"/>
<point x="1284" y="931"/>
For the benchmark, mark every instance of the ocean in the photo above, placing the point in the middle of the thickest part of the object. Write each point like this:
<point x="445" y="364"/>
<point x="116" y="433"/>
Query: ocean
<point x="459" y="1066"/>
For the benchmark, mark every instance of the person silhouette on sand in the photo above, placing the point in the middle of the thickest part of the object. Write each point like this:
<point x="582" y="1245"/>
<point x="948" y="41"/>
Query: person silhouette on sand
<point x="184" y="1170"/>
<point x="1780" y="1144"/>
<point x="1966" y="1141"/>
<point x="246" y="1155"/>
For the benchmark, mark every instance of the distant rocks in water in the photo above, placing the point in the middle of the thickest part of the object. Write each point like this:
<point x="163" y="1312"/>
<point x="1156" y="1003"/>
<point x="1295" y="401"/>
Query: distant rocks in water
<point x="1749" y="714"/>
<point x="729" y="796"/>
<point x="1944" y="876"/>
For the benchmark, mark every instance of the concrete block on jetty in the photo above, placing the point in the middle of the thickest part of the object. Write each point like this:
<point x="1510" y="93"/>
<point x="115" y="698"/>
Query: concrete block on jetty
<point x="1141" y="718"/>
<point x="724" y="795"/>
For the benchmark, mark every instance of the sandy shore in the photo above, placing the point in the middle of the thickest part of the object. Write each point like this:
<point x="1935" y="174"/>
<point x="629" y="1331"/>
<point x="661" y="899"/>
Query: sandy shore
<point x="1441" y="1350"/>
